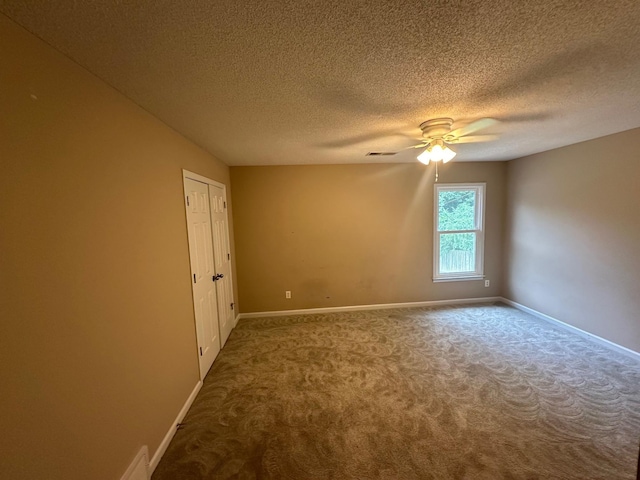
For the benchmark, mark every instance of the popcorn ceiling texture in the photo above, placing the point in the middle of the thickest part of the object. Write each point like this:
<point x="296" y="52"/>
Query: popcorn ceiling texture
<point x="293" y="82"/>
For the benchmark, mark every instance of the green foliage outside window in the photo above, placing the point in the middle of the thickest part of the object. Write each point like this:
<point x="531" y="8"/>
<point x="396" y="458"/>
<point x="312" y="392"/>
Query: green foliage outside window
<point x="456" y="211"/>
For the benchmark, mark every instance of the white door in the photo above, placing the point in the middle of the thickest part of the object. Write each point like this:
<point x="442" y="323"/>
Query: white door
<point x="202" y="272"/>
<point x="222" y="260"/>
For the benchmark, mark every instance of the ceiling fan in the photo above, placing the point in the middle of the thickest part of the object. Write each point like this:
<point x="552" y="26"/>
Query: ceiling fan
<point x="437" y="135"/>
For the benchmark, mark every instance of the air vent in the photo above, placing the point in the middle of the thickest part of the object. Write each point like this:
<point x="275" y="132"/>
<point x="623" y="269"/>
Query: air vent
<point x="379" y="154"/>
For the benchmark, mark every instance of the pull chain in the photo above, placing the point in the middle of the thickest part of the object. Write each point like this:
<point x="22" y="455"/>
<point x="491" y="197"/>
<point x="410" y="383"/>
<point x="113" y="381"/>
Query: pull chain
<point x="436" y="172"/>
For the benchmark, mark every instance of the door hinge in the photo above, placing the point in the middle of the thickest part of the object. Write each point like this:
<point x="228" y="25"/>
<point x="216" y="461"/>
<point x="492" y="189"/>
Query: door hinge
<point x="228" y="256"/>
<point x="187" y="200"/>
<point x="232" y="306"/>
<point x="225" y="204"/>
<point x="200" y="351"/>
<point x="194" y="278"/>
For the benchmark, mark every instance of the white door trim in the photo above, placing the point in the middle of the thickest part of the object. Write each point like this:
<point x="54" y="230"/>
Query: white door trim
<point x="200" y="178"/>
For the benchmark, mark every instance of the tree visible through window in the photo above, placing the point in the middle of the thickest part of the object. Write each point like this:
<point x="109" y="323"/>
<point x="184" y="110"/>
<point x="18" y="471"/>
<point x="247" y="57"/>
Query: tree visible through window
<point x="459" y="231"/>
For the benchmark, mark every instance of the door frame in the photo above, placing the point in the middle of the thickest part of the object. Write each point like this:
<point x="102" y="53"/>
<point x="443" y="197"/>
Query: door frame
<point x="186" y="174"/>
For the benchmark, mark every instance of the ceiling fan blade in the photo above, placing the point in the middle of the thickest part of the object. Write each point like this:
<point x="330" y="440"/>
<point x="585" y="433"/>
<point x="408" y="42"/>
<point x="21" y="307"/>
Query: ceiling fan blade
<point x="352" y="141"/>
<point x="473" y="127"/>
<point x="420" y="145"/>
<point x="474" y="139"/>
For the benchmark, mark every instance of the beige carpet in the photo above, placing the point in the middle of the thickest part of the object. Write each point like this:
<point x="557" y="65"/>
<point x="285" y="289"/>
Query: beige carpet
<point x="473" y="392"/>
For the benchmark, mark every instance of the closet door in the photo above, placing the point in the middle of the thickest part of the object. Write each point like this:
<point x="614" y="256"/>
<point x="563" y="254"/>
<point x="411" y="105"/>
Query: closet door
<point x="222" y="260"/>
<point x="203" y="281"/>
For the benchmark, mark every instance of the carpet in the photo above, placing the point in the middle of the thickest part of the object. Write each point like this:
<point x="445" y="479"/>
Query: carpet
<point x="467" y="392"/>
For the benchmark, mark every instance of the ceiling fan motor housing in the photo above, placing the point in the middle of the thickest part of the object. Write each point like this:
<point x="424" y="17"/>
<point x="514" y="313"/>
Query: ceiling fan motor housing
<point x="436" y="128"/>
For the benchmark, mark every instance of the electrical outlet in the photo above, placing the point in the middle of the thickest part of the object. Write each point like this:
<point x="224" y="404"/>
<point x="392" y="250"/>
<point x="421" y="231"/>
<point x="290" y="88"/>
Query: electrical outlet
<point x="487" y="283"/>
<point x="287" y="294"/>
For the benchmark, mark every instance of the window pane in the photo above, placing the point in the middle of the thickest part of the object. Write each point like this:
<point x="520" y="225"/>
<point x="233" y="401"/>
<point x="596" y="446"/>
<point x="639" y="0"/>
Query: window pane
<point x="456" y="210"/>
<point x="457" y="252"/>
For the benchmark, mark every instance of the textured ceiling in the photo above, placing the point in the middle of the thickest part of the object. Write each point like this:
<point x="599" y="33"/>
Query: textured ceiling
<point x="300" y="81"/>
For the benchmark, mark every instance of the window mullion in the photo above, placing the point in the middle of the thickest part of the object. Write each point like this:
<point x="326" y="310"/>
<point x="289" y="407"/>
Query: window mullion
<point x="460" y="231"/>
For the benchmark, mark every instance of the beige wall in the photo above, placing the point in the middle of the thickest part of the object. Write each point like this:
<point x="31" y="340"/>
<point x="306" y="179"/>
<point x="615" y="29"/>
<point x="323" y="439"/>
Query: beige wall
<point x="98" y="349"/>
<point x="340" y="235"/>
<point x="97" y="336"/>
<point x="573" y="234"/>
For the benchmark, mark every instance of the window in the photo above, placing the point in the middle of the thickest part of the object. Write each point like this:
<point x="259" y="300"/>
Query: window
<point x="459" y="232"/>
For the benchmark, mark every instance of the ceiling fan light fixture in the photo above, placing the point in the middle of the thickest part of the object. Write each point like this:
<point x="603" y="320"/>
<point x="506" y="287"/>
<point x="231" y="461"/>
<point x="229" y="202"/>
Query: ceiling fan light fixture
<point x="425" y="157"/>
<point x="437" y="151"/>
<point x="447" y="155"/>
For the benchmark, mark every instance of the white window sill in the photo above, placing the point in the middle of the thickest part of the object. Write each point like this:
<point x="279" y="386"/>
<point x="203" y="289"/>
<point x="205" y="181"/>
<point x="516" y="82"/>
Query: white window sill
<point x="458" y="278"/>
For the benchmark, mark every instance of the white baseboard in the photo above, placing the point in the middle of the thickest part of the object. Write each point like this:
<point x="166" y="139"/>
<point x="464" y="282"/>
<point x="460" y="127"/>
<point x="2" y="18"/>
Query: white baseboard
<point x="139" y="467"/>
<point x="603" y="341"/>
<point x="381" y="306"/>
<point x="172" y="429"/>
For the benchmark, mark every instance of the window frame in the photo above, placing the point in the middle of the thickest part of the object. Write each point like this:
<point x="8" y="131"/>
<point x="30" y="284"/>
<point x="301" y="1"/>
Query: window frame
<point x="478" y="273"/>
